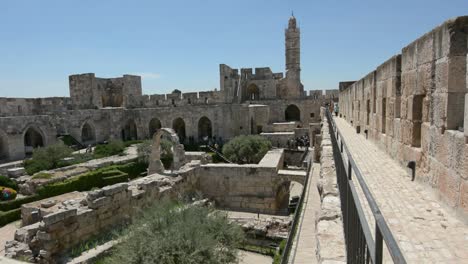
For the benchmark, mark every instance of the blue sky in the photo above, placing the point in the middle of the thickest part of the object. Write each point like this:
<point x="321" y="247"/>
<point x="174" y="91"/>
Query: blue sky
<point x="180" y="44"/>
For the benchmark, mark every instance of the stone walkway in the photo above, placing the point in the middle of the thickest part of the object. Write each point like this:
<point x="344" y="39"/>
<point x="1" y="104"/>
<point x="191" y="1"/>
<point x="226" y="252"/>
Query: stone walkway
<point x="305" y="243"/>
<point x="7" y="233"/>
<point x="425" y="231"/>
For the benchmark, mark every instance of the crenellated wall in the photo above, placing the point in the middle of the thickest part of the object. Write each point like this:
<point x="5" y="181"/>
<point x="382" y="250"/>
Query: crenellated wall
<point x="414" y="106"/>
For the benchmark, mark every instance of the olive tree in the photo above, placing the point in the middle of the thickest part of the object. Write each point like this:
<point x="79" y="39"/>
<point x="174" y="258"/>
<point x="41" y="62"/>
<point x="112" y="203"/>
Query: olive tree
<point x="246" y="149"/>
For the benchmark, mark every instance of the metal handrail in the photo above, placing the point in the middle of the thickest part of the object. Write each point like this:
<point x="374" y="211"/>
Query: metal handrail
<point x="297" y="214"/>
<point x="373" y="247"/>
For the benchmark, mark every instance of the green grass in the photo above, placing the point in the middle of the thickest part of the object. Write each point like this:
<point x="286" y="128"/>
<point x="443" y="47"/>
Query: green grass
<point x="42" y="175"/>
<point x="268" y="251"/>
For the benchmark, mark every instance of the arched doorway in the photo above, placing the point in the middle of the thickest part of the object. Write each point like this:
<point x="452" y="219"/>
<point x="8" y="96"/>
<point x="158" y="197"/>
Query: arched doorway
<point x="3" y="146"/>
<point x="179" y="127"/>
<point x="253" y="92"/>
<point x="32" y="139"/>
<point x="155" y="163"/>
<point x="292" y="113"/>
<point x="205" y="131"/>
<point x="88" y="135"/>
<point x="129" y="132"/>
<point x="154" y="125"/>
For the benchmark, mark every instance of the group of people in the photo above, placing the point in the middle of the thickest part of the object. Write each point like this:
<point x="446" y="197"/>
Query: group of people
<point x="302" y="141"/>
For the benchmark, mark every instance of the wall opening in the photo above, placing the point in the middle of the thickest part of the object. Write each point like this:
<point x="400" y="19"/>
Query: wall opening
<point x="3" y="146"/>
<point x="292" y="113"/>
<point x="88" y="135"/>
<point x="368" y="112"/>
<point x="417" y="116"/>
<point x="253" y="92"/>
<point x="32" y="139"/>
<point x="154" y="125"/>
<point x="179" y="127"/>
<point x="384" y="114"/>
<point x="129" y="132"/>
<point x="205" y="130"/>
<point x="286" y="193"/>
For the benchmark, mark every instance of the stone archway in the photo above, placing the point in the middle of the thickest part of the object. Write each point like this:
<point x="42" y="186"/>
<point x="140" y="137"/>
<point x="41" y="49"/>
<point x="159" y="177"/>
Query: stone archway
<point x="155" y="164"/>
<point x="33" y="138"/>
<point x="4" y="153"/>
<point x="205" y="129"/>
<point x="253" y="92"/>
<point x="129" y="131"/>
<point x="179" y="127"/>
<point x="88" y="134"/>
<point x="284" y="192"/>
<point x="292" y="113"/>
<point x="153" y="126"/>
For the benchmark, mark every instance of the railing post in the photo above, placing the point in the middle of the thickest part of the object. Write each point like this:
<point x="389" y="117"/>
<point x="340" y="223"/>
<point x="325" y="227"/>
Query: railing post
<point x="350" y="169"/>
<point x="378" y="245"/>
<point x="341" y="142"/>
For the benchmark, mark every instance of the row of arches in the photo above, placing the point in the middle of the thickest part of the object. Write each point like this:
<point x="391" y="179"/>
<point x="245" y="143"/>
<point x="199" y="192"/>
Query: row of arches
<point x="205" y="128"/>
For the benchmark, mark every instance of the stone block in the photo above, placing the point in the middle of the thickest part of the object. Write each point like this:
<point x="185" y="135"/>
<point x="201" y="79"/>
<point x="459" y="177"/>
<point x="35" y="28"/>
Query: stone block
<point x="449" y="187"/>
<point x="59" y="216"/>
<point x="425" y="83"/>
<point x="99" y="202"/>
<point x="113" y="189"/>
<point x="409" y="81"/>
<point x="464" y="196"/>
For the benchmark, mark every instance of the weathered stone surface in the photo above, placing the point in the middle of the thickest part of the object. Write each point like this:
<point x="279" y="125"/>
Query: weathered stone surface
<point x="58" y="216"/>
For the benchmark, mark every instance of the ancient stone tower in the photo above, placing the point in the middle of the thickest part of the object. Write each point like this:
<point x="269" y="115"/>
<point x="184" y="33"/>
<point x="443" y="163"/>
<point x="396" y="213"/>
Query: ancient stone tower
<point x="294" y="88"/>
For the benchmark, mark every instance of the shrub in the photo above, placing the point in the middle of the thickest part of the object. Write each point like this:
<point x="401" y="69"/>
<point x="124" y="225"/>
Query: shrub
<point x="7" y="182"/>
<point x="246" y="149"/>
<point x="7" y="193"/>
<point x="14" y="204"/>
<point x="47" y="158"/>
<point x="42" y="175"/>
<point x="10" y="216"/>
<point x="170" y="233"/>
<point x="112" y="148"/>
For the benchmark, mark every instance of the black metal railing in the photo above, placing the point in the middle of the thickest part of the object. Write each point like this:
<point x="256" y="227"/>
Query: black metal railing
<point x="297" y="214"/>
<point x="361" y="246"/>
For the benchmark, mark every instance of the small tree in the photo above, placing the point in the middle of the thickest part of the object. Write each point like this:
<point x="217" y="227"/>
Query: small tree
<point x="172" y="233"/>
<point x="47" y="158"/>
<point x="246" y="149"/>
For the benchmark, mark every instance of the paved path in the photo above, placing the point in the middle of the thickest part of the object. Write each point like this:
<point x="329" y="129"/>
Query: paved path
<point x="7" y="233"/>
<point x="305" y="243"/>
<point x="426" y="232"/>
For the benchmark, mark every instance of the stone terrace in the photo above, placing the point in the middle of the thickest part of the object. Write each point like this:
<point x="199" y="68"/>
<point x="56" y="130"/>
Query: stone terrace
<point x="426" y="231"/>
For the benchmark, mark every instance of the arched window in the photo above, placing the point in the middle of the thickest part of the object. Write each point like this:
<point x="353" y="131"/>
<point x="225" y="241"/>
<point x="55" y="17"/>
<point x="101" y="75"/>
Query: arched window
<point x="129" y="131"/>
<point x="154" y="125"/>
<point x="253" y="92"/>
<point x="179" y="127"/>
<point x="32" y="139"/>
<point x="292" y="113"/>
<point x="3" y="146"/>
<point x="88" y="135"/>
<point x="205" y="130"/>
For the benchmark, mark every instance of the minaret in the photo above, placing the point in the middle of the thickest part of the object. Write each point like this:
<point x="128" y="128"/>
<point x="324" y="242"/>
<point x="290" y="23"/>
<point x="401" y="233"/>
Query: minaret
<point x="293" y="59"/>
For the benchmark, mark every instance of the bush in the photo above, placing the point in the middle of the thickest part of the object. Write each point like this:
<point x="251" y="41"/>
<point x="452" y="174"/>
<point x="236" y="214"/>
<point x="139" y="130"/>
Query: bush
<point x="112" y="148"/>
<point x="7" y="182"/>
<point x="47" y="158"/>
<point x="42" y="175"/>
<point x="14" y="204"/>
<point x="7" y="193"/>
<point x="171" y="233"/>
<point x="246" y="149"/>
<point x="10" y="216"/>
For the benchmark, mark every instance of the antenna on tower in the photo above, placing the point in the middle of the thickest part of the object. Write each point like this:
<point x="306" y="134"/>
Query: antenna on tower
<point x="292" y="13"/>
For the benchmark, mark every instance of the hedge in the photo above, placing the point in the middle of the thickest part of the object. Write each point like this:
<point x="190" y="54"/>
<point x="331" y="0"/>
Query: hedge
<point x="14" y="204"/>
<point x="10" y="216"/>
<point x="10" y="210"/>
<point x="7" y="182"/>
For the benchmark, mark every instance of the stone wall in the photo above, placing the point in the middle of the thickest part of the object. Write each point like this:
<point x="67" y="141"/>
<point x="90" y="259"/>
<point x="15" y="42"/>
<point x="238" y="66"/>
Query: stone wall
<point x="79" y="217"/>
<point x="330" y="236"/>
<point x="250" y="187"/>
<point x="414" y="107"/>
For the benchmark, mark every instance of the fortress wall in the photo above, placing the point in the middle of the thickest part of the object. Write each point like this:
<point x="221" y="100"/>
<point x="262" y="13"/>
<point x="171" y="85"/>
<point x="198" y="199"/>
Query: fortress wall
<point x="33" y="106"/>
<point x="414" y="106"/>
